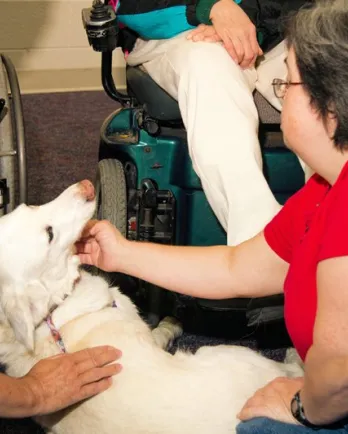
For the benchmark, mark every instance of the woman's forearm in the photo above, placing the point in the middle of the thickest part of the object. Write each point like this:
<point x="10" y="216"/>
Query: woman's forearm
<point x="250" y="269"/>
<point x="325" y="392"/>
<point x="16" y="399"/>
<point x="203" y="271"/>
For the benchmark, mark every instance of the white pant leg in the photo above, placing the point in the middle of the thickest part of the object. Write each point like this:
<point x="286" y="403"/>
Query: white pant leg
<point x="215" y="99"/>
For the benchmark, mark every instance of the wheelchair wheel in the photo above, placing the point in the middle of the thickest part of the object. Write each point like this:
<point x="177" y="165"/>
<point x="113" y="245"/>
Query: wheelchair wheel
<point x="13" y="170"/>
<point x="111" y="194"/>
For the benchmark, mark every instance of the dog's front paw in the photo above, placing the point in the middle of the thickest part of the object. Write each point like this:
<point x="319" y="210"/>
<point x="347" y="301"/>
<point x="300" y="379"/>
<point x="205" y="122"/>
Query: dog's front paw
<point x="172" y="324"/>
<point x="167" y="331"/>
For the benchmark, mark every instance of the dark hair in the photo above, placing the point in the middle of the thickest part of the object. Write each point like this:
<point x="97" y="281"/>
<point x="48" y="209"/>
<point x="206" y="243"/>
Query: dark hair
<point x="319" y="37"/>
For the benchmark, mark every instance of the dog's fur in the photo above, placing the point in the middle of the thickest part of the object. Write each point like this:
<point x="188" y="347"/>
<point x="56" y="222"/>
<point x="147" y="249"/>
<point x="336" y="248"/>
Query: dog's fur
<point x="156" y="392"/>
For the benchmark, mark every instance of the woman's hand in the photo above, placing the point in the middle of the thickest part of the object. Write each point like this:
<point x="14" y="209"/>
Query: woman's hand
<point x="100" y="245"/>
<point x="235" y="29"/>
<point x="273" y="401"/>
<point x="204" y="33"/>
<point x="237" y="32"/>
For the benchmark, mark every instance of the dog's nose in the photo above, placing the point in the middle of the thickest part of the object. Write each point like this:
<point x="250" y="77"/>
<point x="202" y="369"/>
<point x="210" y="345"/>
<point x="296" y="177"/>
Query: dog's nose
<point x="87" y="189"/>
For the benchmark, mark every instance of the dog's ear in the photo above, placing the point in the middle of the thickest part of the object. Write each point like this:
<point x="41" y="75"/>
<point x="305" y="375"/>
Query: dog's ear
<point x="16" y="307"/>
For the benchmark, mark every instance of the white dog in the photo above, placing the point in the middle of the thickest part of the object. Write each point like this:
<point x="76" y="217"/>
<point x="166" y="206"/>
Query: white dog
<point x="156" y="392"/>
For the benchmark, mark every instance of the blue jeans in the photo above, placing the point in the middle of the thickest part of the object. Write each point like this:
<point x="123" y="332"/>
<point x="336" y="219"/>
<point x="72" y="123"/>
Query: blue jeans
<point x="262" y="425"/>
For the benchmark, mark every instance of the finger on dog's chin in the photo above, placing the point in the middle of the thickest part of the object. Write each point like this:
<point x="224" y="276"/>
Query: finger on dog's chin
<point x="84" y="246"/>
<point x="85" y="258"/>
<point x="80" y="246"/>
<point x="86" y="232"/>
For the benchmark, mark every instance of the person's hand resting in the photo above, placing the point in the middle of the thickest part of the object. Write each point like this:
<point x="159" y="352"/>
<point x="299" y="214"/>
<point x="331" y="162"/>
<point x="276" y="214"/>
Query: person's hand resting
<point x="100" y="245"/>
<point x="235" y="29"/>
<point x="204" y="33"/>
<point x="60" y="381"/>
<point x="273" y="401"/>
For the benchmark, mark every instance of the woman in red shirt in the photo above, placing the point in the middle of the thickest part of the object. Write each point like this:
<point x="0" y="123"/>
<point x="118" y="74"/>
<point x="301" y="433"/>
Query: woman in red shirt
<point x="303" y="250"/>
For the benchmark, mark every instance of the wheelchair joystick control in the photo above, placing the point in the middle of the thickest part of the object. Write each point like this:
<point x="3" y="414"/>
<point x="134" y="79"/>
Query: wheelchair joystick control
<point x="100" y="26"/>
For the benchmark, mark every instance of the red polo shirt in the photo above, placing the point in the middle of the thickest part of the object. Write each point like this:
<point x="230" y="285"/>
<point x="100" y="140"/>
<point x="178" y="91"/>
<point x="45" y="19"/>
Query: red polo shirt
<point x="312" y="226"/>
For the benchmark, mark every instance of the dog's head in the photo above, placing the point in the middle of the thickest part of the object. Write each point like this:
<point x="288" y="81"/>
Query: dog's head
<point x="37" y="262"/>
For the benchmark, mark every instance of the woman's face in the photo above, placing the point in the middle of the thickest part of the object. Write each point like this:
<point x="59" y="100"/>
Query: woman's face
<point x="304" y="131"/>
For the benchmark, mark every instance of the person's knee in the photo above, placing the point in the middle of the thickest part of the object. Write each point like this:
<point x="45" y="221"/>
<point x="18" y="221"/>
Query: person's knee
<point x="198" y="52"/>
<point x="201" y="58"/>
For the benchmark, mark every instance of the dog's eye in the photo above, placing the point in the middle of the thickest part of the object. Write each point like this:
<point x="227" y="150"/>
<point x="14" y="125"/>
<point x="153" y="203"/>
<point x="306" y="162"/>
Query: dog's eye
<point x="49" y="231"/>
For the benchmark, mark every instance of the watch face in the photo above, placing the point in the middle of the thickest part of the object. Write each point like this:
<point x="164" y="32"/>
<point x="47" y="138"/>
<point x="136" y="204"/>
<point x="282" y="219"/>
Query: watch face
<point x="297" y="410"/>
<point x="294" y="407"/>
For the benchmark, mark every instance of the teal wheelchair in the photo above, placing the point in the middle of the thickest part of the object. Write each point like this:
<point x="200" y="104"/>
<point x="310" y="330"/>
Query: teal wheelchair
<point x="145" y="182"/>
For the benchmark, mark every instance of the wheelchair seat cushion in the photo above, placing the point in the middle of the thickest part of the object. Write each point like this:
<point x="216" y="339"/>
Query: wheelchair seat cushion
<point x="156" y="101"/>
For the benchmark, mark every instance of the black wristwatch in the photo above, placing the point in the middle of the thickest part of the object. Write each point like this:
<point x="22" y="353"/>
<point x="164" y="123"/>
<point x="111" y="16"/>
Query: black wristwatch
<point x="298" y="412"/>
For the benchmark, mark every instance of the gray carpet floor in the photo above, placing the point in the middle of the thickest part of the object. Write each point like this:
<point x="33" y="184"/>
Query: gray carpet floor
<point x="62" y="134"/>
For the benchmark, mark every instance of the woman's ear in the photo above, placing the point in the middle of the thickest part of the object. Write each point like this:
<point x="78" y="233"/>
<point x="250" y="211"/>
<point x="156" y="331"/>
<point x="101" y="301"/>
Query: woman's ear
<point x="331" y="121"/>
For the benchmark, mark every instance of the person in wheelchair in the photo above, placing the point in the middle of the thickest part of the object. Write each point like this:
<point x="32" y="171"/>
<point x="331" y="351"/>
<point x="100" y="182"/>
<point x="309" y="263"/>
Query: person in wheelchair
<point x="213" y="84"/>
<point x="304" y="249"/>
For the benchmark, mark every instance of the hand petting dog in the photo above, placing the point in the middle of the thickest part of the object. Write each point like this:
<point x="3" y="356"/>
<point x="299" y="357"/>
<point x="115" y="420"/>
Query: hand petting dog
<point x="60" y="381"/>
<point x="273" y="401"/>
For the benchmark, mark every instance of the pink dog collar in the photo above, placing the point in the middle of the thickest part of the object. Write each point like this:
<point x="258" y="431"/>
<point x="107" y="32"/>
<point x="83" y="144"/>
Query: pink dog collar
<point x="55" y="332"/>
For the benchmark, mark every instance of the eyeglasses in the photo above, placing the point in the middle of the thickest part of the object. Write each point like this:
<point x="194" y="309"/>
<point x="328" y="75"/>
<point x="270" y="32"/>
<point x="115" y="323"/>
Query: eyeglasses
<point x="281" y="86"/>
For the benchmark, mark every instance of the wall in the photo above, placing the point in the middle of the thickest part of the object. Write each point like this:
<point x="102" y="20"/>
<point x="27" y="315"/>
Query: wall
<point x="47" y="43"/>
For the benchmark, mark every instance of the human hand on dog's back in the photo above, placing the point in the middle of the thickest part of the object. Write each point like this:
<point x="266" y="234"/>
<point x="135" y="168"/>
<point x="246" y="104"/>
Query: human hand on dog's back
<point x="60" y="381"/>
<point x="101" y="245"/>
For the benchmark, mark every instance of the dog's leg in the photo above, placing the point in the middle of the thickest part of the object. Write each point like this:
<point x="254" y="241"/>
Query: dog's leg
<point x="15" y="357"/>
<point x="166" y="332"/>
<point x="293" y="363"/>
<point x="292" y="356"/>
